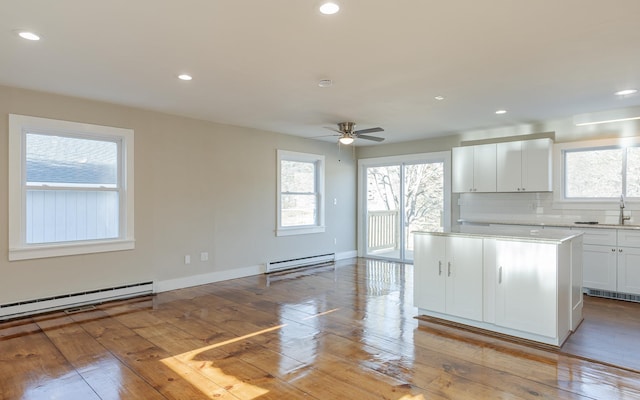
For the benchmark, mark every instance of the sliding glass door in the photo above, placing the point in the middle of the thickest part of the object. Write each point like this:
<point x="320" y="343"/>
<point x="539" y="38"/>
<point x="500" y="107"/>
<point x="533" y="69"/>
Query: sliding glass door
<point x="400" y="195"/>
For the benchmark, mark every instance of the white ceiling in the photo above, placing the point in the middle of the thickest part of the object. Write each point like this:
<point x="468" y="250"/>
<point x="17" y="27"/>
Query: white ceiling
<point x="257" y="63"/>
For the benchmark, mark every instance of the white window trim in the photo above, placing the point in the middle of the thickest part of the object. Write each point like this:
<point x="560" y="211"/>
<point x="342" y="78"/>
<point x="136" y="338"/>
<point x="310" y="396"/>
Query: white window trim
<point x="562" y="203"/>
<point x="18" y="248"/>
<point x="319" y="227"/>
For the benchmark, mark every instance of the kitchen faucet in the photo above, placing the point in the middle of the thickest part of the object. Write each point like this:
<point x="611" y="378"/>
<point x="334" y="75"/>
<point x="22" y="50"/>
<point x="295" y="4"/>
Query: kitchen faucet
<point x="622" y="218"/>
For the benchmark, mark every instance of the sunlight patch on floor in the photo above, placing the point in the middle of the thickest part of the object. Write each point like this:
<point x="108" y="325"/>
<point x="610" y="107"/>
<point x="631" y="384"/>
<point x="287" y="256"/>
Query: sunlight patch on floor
<point x="209" y="379"/>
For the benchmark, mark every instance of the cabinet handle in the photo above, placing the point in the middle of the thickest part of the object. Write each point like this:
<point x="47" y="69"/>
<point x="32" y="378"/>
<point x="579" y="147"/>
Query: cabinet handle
<point x="620" y="250"/>
<point x="524" y="190"/>
<point x="613" y="250"/>
<point x="500" y="275"/>
<point x="449" y="268"/>
<point x="439" y="267"/>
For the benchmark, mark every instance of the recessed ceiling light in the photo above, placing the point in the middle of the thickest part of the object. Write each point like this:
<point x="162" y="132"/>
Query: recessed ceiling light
<point x="500" y="112"/>
<point x="325" y="83"/>
<point x="185" y="77"/>
<point x="329" y="8"/>
<point x="439" y="98"/>
<point x="28" y="35"/>
<point x="626" y="92"/>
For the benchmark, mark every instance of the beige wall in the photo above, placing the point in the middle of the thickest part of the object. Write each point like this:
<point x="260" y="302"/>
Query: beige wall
<point x="199" y="186"/>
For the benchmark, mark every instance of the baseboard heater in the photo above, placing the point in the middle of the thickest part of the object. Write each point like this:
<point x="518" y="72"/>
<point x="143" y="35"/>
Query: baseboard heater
<point x="613" y="295"/>
<point x="282" y="265"/>
<point x="53" y="303"/>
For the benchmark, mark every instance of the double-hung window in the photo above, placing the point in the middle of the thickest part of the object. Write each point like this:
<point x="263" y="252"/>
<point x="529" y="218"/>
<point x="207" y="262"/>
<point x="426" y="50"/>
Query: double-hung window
<point x="70" y="188"/>
<point x="300" y="186"/>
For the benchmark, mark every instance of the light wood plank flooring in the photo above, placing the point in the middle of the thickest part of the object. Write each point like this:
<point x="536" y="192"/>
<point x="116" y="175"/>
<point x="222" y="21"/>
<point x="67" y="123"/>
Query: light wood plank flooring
<point x="610" y="333"/>
<point x="323" y="333"/>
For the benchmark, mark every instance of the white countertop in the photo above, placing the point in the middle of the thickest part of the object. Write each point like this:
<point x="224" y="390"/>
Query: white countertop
<point x="518" y="234"/>
<point x="558" y="224"/>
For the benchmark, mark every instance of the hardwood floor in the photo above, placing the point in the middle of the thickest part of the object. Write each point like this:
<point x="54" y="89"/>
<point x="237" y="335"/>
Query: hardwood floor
<point x="610" y="333"/>
<point x="324" y="333"/>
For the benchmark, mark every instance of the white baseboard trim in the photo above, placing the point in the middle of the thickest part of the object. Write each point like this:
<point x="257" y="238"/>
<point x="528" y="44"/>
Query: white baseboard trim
<point x="203" y="279"/>
<point x="218" y="276"/>
<point x="346" y="254"/>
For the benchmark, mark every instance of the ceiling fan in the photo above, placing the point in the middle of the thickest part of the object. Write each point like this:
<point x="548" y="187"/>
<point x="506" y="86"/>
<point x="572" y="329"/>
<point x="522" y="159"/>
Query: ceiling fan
<point x="348" y="135"/>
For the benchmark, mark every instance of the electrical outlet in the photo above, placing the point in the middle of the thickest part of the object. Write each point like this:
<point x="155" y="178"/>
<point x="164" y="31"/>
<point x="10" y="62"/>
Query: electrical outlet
<point x="335" y="201"/>
<point x="187" y="259"/>
<point x="204" y="256"/>
<point x="335" y="240"/>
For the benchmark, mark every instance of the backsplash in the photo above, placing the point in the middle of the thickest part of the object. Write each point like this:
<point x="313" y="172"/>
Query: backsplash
<point x="532" y="208"/>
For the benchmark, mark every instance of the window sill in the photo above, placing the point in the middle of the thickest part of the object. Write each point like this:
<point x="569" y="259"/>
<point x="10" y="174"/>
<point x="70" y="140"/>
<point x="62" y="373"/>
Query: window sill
<point x="297" y="230"/>
<point x="69" y="249"/>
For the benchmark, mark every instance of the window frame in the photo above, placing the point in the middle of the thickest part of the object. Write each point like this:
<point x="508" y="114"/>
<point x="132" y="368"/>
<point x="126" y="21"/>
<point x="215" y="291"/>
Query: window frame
<point x="559" y="185"/>
<point x="319" y="225"/>
<point x="19" y="126"/>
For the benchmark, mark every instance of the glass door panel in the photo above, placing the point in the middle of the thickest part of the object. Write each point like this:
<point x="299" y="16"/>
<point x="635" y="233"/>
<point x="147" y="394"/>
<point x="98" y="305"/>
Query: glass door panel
<point x="383" y="212"/>
<point x="423" y="201"/>
<point x="402" y="198"/>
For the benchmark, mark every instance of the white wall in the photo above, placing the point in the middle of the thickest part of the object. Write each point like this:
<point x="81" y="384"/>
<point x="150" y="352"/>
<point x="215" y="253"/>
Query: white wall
<point x="200" y="187"/>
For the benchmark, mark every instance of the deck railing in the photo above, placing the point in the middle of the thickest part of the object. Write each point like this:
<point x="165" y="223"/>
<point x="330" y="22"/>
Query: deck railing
<point x="384" y="230"/>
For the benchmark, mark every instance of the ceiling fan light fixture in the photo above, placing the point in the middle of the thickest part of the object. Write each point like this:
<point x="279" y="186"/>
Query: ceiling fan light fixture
<point x="329" y="8"/>
<point x="346" y="139"/>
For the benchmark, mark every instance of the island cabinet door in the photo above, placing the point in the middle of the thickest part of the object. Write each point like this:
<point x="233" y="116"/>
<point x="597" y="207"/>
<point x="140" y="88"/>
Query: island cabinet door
<point x="464" y="277"/>
<point x="448" y="275"/>
<point x="526" y="282"/>
<point x="429" y="272"/>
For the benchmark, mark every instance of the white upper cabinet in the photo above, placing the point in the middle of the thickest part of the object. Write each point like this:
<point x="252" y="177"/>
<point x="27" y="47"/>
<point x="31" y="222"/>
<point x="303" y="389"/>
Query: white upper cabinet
<point x="524" y="166"/>
<point x="462" y="169"/>
<point x="474" y="168"/>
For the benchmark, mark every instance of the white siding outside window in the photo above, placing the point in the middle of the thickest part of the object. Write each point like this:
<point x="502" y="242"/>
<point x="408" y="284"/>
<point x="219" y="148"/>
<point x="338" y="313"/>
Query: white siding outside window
<point x="70" y="188"/>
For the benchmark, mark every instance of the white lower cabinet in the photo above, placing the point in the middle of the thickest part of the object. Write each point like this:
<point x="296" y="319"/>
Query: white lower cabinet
<point x="526" y="287"/>
<point x="600" y="268"/>
<point x="629" y="270"/>
<point x="448" y="275"/>
<point x="612" y="260"/>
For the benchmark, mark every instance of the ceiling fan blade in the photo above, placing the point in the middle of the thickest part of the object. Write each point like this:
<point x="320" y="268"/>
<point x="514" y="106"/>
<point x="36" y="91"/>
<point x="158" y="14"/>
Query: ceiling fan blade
<point x="332" y="129"/>
<point x="374" y="138"/>
<point x="370" y="130"/>
<point x="321" y="136"/>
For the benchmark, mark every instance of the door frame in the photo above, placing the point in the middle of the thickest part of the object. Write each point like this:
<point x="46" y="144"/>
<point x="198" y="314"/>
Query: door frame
<point x="440" y="156"/>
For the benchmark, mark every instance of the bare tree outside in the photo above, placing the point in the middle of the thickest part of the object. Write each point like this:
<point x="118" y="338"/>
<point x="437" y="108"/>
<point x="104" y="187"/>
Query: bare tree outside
<point x="423" y="202"/>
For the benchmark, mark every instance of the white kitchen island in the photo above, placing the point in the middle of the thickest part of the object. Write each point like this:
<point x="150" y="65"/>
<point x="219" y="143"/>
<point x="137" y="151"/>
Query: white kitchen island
<point x="521" y="283"/>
